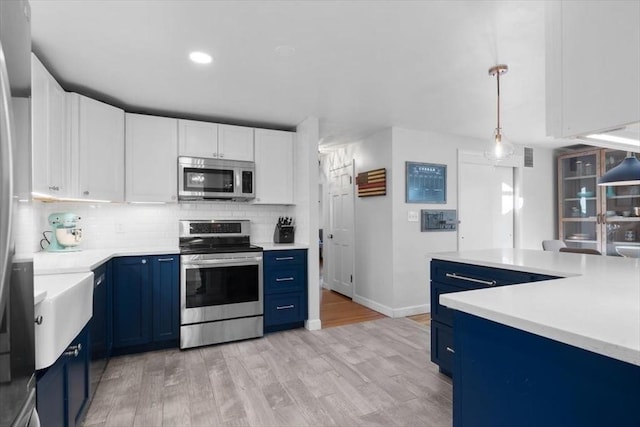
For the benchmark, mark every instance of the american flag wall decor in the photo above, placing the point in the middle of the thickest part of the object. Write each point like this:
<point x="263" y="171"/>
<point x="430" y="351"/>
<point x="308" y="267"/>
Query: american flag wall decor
<point x="372" y="183"/>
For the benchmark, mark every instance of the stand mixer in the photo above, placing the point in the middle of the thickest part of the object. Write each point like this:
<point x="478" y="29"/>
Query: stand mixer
<point x="65" y="234"/>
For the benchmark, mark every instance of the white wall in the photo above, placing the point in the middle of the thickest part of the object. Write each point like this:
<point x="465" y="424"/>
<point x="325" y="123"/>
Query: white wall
<point x="373" y="243"/>
<point x="411" y="246"/>
<point x="539" y="208"/>
<point x="306" y="211"/>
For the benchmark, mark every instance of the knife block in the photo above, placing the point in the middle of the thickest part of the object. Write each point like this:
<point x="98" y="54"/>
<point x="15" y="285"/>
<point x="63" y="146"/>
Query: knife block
<point x="284" y="234"/>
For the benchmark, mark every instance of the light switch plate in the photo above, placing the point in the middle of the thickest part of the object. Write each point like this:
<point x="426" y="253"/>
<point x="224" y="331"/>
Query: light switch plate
<point x="413" y="216"/>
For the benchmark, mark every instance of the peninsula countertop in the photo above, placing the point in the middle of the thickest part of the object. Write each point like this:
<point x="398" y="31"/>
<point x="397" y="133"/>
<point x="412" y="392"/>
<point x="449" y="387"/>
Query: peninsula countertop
<point x="594" y="305"/>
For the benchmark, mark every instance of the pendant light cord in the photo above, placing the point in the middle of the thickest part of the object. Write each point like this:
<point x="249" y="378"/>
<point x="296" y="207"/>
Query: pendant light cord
<point x="498" y="82"/>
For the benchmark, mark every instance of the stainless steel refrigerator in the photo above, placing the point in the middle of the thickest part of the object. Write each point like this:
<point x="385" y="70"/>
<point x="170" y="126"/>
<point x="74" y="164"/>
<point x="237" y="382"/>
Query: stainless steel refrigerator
<point x="17" y="348"/>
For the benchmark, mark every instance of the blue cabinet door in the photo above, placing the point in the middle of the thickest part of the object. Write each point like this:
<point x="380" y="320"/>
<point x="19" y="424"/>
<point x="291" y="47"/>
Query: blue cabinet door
<point x="50" y="396"/>
<point x="78" y="379"/>
<point x="132" y="292"/>
<point x="166" y="298"/>
<point x="99" y="318"/>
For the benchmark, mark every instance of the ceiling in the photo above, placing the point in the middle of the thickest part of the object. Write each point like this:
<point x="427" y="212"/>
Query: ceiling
<point x="358" y="66"/>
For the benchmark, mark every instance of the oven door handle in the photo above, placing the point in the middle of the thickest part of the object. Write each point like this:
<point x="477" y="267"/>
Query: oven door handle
<point x="224" y="261"/>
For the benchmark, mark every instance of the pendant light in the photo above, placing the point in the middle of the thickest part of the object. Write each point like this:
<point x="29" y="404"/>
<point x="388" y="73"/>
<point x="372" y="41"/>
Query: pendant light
<point x="499" y="148"/>
<point x="626" y="173"/>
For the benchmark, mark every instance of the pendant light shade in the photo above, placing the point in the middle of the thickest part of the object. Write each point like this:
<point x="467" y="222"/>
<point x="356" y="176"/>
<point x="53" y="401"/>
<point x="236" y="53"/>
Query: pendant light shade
<point x="626" y="173"/>
<point x="499" y="148"/>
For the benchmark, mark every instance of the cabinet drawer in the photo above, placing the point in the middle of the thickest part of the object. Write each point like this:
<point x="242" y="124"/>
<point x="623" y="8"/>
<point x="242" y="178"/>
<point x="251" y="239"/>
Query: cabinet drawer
<point x="442" y="346"/>
<point x="290" y="279"/>
<point x="474" y="277"/>
<point x="284" y="258"/>
<point x="440" y="312"/>
<point x="284" y="308"/>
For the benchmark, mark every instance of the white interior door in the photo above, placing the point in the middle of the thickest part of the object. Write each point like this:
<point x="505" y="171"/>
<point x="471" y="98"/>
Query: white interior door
<point x="339" y="239"/>
<point x="486" y="207"/>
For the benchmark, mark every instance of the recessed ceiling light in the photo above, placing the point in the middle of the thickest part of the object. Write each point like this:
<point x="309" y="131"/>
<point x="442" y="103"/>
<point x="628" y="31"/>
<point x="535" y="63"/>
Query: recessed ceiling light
<point x="285" y="50"/>
<point x="200" y="57"/>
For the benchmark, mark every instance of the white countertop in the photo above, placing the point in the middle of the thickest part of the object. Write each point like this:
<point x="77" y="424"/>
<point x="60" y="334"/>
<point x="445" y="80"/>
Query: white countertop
<point x="87" y="260"/>
<point x="595" y="306"/>
<point x="270" y="246"/>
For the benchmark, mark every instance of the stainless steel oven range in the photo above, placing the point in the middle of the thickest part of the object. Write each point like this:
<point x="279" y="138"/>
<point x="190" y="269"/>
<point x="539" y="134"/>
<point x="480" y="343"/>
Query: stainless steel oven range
<point x="221" y="297"/>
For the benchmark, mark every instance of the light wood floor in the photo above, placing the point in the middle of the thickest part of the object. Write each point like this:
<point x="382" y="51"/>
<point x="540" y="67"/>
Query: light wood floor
<point x="371" y="373"/>
<point x="338" y="310"/>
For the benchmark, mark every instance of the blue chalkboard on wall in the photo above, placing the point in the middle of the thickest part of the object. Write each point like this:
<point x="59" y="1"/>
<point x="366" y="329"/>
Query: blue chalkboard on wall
<point x="426" y="183"/>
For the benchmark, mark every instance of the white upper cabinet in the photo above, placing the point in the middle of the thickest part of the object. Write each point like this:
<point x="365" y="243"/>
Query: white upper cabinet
<point x="197" y="139"/>
<point x="593" y="66"/>
<point x="97" y="142"/>
<point x="235" y="142"/>
<point x="49" y="132"/>
<point x="211" y="140"/>
<point x="151" y="148"/>
<point x="274" y="167"/>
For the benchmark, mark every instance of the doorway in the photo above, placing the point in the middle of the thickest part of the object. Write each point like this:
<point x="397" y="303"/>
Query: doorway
<point x="338" y="238"/>
<point x="486" y="205"/>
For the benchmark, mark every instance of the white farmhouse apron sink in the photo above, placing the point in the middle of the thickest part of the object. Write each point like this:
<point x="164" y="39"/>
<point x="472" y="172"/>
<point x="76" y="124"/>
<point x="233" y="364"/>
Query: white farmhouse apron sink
<point x="65" y="310"/>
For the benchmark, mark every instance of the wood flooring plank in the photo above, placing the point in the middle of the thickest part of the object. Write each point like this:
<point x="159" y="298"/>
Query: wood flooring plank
<point x="276" y="396"/>
<point x="204" y="413"/>
<point x="148" y="417"/>
<point x="339" y="410"/>
<point x="120" y="418"/>
<point x="258" y="410"/>
<point x="229" y="402"/>
<point x="259" y="370"/>
<point x="309" y="406"/>
<point x="290" y="416"/>
<point x="379" y="418"/>
<point x="345" y="369"/>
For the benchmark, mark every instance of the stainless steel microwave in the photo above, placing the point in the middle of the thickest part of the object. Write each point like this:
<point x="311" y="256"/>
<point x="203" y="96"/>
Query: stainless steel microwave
<point x="201" y="179"/>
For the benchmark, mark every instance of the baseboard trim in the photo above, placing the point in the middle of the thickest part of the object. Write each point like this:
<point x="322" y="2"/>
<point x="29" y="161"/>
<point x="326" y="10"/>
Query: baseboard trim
<point x="380" y="308"/>
<point x="313" y="324"/>
<point x="412" y="310"/>
<point x="392" y="312"/>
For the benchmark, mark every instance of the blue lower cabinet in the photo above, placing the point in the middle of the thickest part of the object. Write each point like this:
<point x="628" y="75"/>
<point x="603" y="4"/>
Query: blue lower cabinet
<point x="446" y="277"/>
<point x="285" y="308"/>
<point x="132" y="292"/>
<point x="166" y="298"/>
<point x="508" y="377"/>
<point x="146" y="306"/>
<point x="285" y="289"/>
<point x="62" y="390"/>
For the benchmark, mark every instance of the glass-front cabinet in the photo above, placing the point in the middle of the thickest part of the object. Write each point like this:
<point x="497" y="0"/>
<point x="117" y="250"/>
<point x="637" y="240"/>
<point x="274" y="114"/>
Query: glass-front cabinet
<point x="620" y="220"/>
<point x="601" y="218"/>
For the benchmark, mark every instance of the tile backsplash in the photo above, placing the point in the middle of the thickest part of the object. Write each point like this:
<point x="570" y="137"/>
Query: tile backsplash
<point x="111" y="225"/>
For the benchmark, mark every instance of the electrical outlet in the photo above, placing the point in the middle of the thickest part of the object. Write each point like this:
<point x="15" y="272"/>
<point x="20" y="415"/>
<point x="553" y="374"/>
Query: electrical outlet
<point x="413" y="216"/>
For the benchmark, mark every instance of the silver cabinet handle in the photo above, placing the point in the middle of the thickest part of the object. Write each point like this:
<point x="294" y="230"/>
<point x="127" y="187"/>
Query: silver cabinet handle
<point x="165" y="259"/>
<point x="450" y="350"/>
<point x="284" y="279"/>
<point x="285" y="307"/>
<point x="144" y="261"/>
<point x="284" y="258"/>
<point x="85" y="192"/>
<point x="471" y="279"/>
<point x="221" y="155"/>
<point x="39" y="320"/>
<point x="73" y="350"/>
<point x="99" y="281"/>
